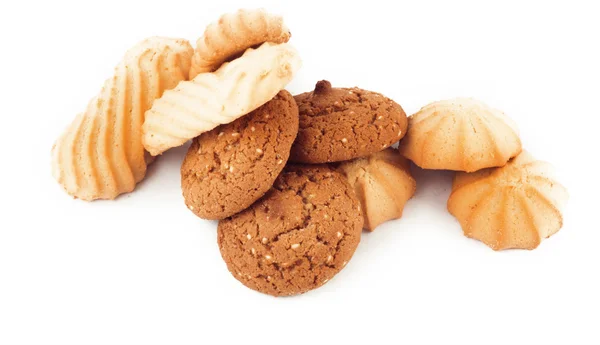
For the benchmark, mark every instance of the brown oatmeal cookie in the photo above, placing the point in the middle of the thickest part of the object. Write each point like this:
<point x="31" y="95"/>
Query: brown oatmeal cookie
<point x="338" y="124"/>
<point x="298" y="236"/>
<point x="230" y="167"/>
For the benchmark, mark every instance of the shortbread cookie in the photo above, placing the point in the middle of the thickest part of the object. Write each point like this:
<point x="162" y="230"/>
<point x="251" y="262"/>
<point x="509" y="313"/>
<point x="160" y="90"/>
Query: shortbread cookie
<point x="460" y="134"/>
<point x="232" y="35"/>
<point x="212" y="99"/>
<point x="298" y="236"/>
<point x="515" y="206"/>
<point x="100" y="155"/>
<point x="383" y="184"/>
<point x="230" y="167"/>
<point x="338" y="124"/>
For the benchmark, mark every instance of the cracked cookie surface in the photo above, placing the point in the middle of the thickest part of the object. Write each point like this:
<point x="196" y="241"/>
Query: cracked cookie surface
<point x="338" y="124"/>
<point x="227" y="169"/>
<point x="298" y="236"/>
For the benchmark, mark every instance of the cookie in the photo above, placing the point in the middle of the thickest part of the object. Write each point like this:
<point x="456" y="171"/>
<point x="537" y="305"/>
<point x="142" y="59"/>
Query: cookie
<point x="100" y="155"/>
<point x="230" y="167"/>
<point x="383" y="184"/>
<point x="514" y="206"/>
<point x="232" y="35"/>
<point x="298" y="236"/>
<point x="338" y="124"/>
<point x="460" y="134"/>
<point x="212" y="99"/>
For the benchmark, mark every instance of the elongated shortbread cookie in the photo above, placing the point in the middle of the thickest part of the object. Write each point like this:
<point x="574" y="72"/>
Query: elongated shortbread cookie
<point x="100" y="155"/>
<point x="212" y="99"/>
<point x="232" y="34"/>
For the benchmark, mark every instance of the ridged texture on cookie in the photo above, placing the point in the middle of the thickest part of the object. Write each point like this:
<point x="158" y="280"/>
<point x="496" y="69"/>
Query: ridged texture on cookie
<point x="298" y="236"/>
<point x="383" y="184"/>
<point x="460" y="134"/>
<point x="515" y="206"/>
<point x="100" y="155"/>
<point x="233" y="34"/>
<point x="212" y="99"/>
<point x="338" y="124"/>
<point x="229" y="168"/>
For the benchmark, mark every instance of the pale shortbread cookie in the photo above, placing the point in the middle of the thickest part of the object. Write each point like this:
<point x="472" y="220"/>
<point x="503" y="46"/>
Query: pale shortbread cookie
<point x="383" y="184"/>
<point x="100" y="155"/>
<point x="515" y="206"/>
<point x="233" y="34"/>
<point x="460" y="134"/>
<point x="212" y="99"/>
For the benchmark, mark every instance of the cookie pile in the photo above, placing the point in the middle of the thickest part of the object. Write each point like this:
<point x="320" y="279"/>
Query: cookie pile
<point x="293" y="180"/>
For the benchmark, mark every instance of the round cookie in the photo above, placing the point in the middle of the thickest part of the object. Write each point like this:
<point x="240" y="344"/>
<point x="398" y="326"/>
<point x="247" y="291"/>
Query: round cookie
<point x="338" y="124"/>
<point x="298" y="236"/>
<point x="227" y="169"/>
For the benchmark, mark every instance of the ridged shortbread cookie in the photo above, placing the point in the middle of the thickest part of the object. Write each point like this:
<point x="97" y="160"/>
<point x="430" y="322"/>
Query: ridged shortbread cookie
<point x="100" y="155"/>
<point x="515" y="206"/>
<point x="383" y="184"/>
<point x="232" y="34"/>
<point x="460" y="134"/>
<point x="212" y="99"/>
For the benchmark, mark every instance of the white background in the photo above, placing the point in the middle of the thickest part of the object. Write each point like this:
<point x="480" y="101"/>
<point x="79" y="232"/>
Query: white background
<point x="144" y="270"/>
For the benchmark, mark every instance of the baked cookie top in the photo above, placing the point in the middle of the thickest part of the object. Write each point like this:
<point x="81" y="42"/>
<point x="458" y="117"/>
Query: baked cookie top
<point x="298" y="236"/>
<point x="230" y="167"/>
<point x="338" y="124"/>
